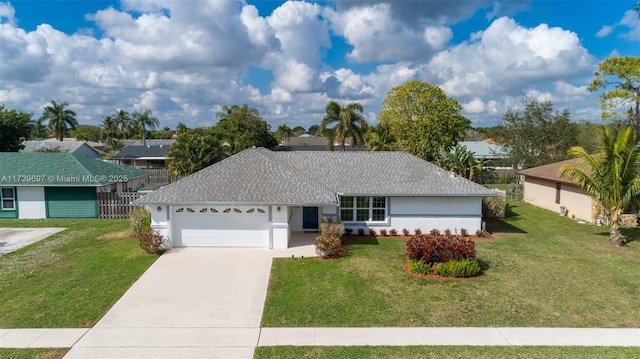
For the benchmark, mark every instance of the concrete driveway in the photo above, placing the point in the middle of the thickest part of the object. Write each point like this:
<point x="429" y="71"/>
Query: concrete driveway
<point x="12" y="239"/>
<point x="191" y="303"/>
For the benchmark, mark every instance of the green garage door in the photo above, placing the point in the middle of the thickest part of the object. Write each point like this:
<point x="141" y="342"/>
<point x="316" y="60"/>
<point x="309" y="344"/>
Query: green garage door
<point x="71" y="202"/>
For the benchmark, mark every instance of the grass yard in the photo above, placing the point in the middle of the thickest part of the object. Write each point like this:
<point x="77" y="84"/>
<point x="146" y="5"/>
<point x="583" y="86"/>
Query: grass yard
<point x="543" y="270"/>
<point x="71" y="278"/>
<point x="437" y="352"/>
<point x="56" y="353"/>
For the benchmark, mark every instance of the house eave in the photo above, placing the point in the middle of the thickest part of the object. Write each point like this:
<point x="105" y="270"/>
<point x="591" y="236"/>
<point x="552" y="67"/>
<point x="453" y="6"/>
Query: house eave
<point x="495" y="194"/>
<point x="306" y="204"/>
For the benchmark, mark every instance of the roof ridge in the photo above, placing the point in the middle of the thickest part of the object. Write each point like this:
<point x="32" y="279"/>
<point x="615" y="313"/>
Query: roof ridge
<point x="78" y="161"/>
<point x="264" y="152"/>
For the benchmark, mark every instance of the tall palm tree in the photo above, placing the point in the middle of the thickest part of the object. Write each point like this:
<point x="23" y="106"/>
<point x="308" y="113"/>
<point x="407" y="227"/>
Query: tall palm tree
<point x="122" y="120"/>
<point x="380" y="138"/>
<point x="143" y="121"/>
<point x="61" y="119"/>
<point x="283" y="133"/>
<point x="349" y="122"/>
<point x="611" y="177"/>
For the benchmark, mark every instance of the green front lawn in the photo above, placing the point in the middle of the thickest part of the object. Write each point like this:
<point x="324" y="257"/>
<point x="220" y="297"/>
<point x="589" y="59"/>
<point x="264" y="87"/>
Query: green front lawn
<point x="543" y="270"/>
<point x="11" y="353"/>
<point x="71" y="278"/>
<point x="437" y="352"/>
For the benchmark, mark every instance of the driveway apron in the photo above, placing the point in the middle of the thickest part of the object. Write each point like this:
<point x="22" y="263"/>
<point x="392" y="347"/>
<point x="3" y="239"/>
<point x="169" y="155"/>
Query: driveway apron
<point x="194" y="302"/>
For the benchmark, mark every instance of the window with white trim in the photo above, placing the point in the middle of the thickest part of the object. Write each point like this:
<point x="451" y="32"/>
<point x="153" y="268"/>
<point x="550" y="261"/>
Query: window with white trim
<point x="363" y="209"/>
<point x="8" y="198"/>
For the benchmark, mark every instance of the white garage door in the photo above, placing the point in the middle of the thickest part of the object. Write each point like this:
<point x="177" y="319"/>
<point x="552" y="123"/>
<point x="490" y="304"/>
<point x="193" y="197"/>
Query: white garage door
<point x="220" y="226"/>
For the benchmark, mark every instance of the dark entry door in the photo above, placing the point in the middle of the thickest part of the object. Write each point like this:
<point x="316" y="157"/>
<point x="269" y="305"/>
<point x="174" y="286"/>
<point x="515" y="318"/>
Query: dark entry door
<point x="309" y="217"/>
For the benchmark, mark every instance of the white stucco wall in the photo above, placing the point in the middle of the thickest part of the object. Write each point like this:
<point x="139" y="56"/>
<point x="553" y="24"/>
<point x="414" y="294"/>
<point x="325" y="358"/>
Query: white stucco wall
<point x="296" y="219"/>
<point x="160" y="223"/>
<point x="280" y="228"/>
<point x="427" y="213"/>
<point x="31" y="202"/>
<point x="542" y="193"/>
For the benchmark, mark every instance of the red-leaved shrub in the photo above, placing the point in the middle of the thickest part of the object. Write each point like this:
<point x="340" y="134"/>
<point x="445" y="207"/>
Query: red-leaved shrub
<point x="440" y="248"/>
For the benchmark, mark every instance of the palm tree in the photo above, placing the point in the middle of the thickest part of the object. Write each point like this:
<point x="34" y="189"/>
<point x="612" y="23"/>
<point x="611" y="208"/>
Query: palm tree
<point x="283" y="133"/>
<point x="143" y="121"/>
<point x="61" y="119"/>
<point x="349" y="123"/>
<point x="461" y="162"/>
<point x="381" y="139"/>
<point x="122" y="120"/>
<point x="611" y="177"/>
<point x="193" y="151"/>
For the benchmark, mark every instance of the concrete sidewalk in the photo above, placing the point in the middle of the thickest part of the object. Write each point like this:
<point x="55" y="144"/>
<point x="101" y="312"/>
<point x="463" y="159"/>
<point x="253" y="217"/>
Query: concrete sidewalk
<point x="244" y="340"/>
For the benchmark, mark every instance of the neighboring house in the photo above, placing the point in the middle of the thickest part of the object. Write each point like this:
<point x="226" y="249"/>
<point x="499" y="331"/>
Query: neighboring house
<point x="97" y="145"/>
<point x="149" y="142"/>
<point x="543" y="187"/>
<point x="485" y="150"/>
<point x="137" y="156"/>
<point x="78" y="148"/>
<point x="59" y="185"/>
<point x="258" y="197"/>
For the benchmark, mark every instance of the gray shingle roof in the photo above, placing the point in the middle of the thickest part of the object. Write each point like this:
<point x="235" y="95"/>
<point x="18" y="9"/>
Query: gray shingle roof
<point x="149" y="142"/>
<point x="80" y="148"/>
<point x="260" y="176"/>
<point x="253" y="176"/>
<point x="133" y="151"/>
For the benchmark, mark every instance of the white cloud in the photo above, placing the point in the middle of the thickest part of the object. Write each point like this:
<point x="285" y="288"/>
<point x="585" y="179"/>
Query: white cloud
<point x="507" y="56"/>
<point x="474" y="106"/>
<point x="567" y="89"/>
<point x="605" y="31"/>
<point x="366" y="28"/>
<point x="7" y="14"/>
<point x="24" y="55"/>
<point x="14" y="95"/>
<point x="631" y="20"/>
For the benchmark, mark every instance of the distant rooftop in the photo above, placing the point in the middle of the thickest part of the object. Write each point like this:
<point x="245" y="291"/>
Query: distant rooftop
<point x="149" y="142"/>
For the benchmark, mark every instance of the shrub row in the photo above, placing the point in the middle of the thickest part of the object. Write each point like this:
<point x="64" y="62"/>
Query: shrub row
<point x="439" y="248"/>
<point x="393" y="232"/>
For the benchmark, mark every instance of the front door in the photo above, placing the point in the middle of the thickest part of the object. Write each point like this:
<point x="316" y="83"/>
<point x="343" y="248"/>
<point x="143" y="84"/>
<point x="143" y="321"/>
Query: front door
<point x="309" y="217"/>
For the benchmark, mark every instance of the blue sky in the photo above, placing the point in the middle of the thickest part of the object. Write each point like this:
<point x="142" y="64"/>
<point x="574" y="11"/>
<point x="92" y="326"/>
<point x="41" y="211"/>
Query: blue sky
<point x="184" y="60"/>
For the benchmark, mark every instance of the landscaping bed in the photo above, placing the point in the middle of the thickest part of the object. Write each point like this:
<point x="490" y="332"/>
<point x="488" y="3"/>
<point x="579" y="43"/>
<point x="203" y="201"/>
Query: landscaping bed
<point x="540" y="270"/>
<point x="71" y="278"/>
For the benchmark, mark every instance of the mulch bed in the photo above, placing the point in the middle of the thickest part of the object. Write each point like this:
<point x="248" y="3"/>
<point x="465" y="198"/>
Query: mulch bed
<point x="405" y="267"/>
<point x="401" y="236"/>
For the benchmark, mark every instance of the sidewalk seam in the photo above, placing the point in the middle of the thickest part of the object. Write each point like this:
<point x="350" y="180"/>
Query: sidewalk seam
<point x="502" y="335"/>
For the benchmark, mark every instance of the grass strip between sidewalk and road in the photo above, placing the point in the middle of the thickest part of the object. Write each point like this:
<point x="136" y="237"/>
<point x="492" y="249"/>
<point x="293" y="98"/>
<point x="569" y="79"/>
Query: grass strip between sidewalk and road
<point x="438" y="352"/>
